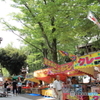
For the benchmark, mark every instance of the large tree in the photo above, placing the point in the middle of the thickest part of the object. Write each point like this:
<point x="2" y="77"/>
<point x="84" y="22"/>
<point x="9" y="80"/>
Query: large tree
<point x="49" y="25"/>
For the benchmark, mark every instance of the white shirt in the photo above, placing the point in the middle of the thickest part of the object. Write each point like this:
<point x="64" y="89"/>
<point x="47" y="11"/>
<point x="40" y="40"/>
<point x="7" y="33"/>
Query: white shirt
<point x="57" y="85"/>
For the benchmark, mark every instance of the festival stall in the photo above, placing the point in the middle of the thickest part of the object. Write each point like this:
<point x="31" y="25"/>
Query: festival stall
<point x="65" y="71"/>
<point x="90" y="64"/>
<point x="31" y="83"/>
<point x="44" y="87"/>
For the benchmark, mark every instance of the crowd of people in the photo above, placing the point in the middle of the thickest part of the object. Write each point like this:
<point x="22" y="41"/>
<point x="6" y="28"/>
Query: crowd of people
<point x="58" y="86"/>
<point x="12" y="86"/>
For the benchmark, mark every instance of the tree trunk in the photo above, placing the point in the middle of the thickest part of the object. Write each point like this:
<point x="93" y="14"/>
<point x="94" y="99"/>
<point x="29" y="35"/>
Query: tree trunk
<point x="54" y="50"/>
<point x="45" y="53"/>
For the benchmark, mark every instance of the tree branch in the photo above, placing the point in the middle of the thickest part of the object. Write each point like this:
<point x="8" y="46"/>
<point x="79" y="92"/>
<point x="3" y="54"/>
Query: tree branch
<point x="52" y="23"/>
<point x="44" y="35"/>
<point x="21" y="37"/>
<point x="29" y="10"/>
<point x="45" y="2"/>
<point x="25" y="25"/>
<point x="40" y="25"/>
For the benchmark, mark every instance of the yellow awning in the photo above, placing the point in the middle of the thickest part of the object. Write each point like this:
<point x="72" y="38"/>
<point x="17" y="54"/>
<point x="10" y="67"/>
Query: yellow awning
<point x="88" y="70"/>
<point x="33" y="79"/>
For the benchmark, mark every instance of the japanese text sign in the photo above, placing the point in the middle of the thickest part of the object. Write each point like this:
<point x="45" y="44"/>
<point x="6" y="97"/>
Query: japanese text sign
<point x="90" y="60"/>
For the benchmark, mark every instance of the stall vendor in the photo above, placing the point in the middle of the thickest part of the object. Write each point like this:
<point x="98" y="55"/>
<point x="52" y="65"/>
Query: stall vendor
<point x="74" y="80"/>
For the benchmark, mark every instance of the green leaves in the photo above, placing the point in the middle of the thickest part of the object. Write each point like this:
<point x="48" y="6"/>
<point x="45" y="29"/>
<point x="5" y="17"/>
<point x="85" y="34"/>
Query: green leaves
<point x="43" y="21"/>
<point x="12" y="60"/>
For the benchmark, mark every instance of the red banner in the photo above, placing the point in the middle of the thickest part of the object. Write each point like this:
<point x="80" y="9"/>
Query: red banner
<point x="56" y="68"/>
<point x="50" y="63"/>
<point x="66" y="69"/>
<point x="62" y="68"/>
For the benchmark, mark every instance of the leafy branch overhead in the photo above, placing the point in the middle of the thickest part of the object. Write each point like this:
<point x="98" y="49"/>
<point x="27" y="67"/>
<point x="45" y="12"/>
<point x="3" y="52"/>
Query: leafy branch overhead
<point x="51" y="25"/>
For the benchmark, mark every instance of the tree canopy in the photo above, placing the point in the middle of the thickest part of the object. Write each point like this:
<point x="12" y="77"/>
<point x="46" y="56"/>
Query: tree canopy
<point x="52" y="25"/>
<point x="12" y="59"/>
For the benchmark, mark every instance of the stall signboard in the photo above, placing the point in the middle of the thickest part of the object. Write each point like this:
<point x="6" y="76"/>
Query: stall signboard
<point x="73" y="97"/>
<point x="90" y="60"/>
<point x="50" y="63"/>
<point x="66" y="68"/>
<point x="94" y="96"/>
<point x="69" y="97"/>
<point x="56" y="68"/>
<point x="62" y="68"/>
<point x="41" y="73"/>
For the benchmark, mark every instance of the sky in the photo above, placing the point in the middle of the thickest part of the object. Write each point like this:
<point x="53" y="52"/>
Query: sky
<point x="7" y="36"/>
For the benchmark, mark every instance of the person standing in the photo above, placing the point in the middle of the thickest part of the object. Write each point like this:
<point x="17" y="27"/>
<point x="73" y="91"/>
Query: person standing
<point x="5" y="87"/>
<point x="19" y="86"/>
<point x="9" y="88"/>
<point x="14" y="87"/>
<point x="57" y="86"/>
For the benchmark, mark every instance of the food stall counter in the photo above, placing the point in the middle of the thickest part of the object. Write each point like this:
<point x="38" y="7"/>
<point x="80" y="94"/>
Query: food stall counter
<point x="47" y="92"/>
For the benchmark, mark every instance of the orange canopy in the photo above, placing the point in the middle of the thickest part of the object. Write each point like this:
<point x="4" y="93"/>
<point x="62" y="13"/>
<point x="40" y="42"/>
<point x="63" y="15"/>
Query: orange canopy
<point x="46" y="79"/>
